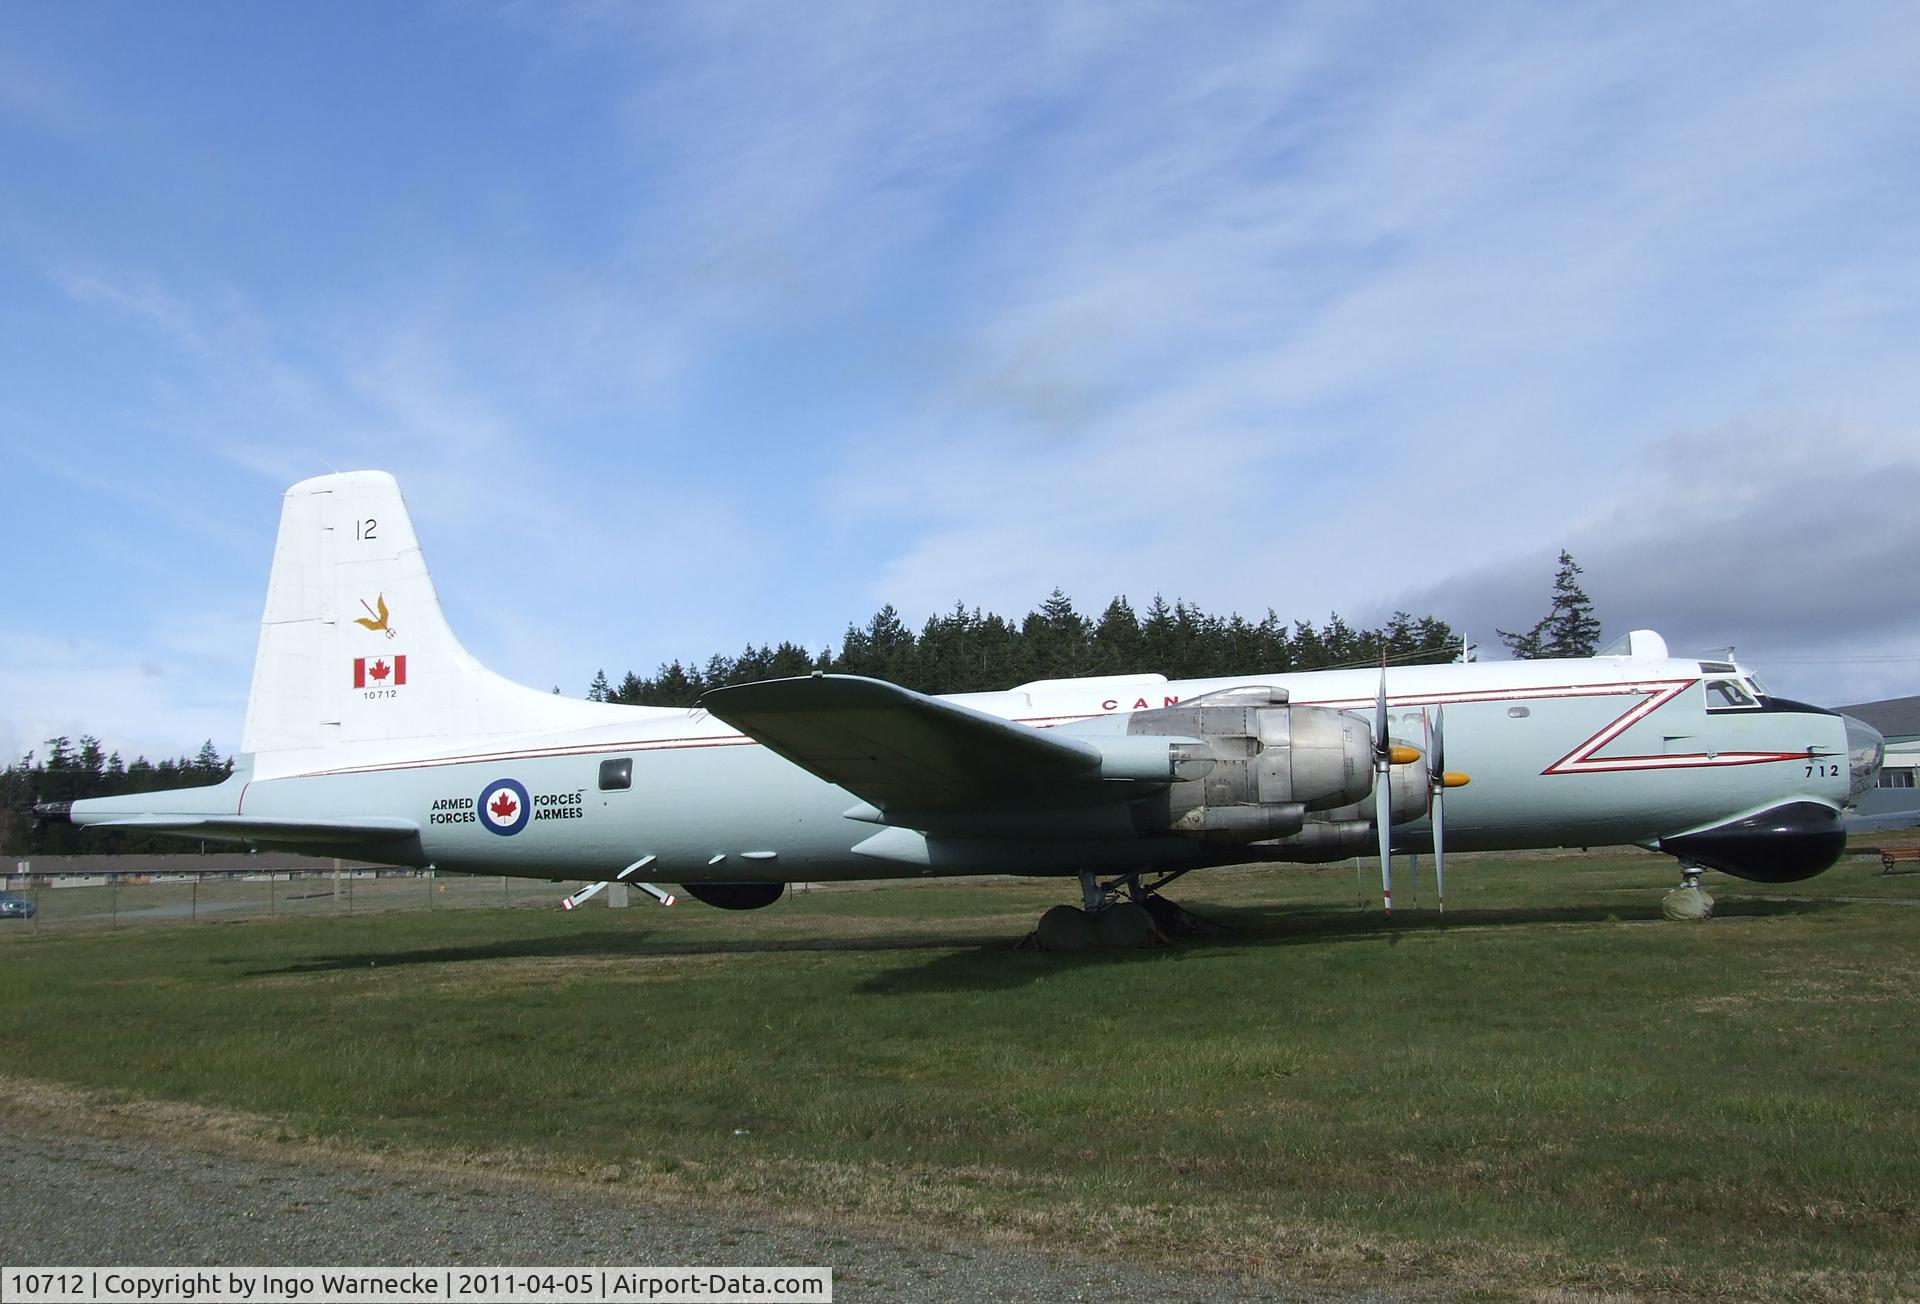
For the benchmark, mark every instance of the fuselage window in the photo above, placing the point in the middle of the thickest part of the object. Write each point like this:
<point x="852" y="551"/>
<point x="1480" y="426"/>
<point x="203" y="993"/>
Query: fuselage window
<point x="616" y="775"/>
<point x="1896" y="778"/>
<point x="1728" y="695"/>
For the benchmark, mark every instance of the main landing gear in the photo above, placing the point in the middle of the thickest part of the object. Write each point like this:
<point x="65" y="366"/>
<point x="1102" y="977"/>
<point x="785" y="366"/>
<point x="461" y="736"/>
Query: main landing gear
<point x="1110" y="921"/>
<point x="1689" y="900"/>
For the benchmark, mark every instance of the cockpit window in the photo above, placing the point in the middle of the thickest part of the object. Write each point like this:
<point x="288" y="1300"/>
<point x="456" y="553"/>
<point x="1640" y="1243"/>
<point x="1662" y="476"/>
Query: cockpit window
<point x="1729" y="695"/>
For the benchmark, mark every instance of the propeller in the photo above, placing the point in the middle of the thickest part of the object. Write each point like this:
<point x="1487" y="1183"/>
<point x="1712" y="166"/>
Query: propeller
<point x="1383" y="791"/>
<point x="1439" y="779"/>
<point x="588" y="892"/>
<point x="1436" y="791"/>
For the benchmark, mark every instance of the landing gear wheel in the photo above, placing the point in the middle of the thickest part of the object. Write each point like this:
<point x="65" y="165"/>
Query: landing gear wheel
<point x="1126" y="926"/>
<point x="1689" y="900"/>
<point x="1112" y="922"/>
<point x="1063" y="928"/>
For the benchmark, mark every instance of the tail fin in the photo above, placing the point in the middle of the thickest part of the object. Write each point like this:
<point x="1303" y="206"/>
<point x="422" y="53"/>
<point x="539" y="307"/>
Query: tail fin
<point x="353" y="646"/>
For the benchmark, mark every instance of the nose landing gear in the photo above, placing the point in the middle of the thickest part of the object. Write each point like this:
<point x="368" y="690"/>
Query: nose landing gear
<point x="1689" y="900"/>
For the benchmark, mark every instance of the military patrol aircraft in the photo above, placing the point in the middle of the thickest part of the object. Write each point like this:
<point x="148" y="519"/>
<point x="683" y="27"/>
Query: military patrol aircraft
<point x="370" y="732"/>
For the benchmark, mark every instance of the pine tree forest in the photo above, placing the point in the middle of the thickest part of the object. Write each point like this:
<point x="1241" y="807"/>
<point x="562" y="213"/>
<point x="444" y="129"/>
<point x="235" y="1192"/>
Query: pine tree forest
<point x="965" y="651"/>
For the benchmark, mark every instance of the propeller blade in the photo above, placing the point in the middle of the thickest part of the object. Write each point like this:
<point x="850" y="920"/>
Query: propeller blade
<point x="1383" y="791"/>
<point x="1380" y="744"/>
<point x="1426" y="731"/>
<point x="583" y="895"/>
<point x="1437" y="767"/>
<point x="626" y="875"/>
<point x="1383" y="818"/>
<point x="1437" y="784"/>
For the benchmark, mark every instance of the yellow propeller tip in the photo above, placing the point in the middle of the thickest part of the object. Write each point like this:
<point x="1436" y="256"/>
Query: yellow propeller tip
<point x="1455" y="779"/>
<point x="1401" y="755"/>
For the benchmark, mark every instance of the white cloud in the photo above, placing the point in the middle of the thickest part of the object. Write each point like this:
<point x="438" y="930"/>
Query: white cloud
<point x="1324" y="308"/>
<point x="158" y="702"/>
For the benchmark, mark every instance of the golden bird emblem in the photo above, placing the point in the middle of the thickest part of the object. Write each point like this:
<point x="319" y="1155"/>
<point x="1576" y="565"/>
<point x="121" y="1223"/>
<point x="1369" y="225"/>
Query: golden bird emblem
<point x="376" y="617"/>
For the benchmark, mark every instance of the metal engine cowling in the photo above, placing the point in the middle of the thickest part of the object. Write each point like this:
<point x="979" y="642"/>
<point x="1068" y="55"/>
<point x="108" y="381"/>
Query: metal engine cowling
<point x="1273" y="763"/>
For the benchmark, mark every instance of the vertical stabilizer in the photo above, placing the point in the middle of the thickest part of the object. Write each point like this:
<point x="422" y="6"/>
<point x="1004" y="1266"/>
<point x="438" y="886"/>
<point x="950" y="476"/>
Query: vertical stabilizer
<point x="353" y="645"/>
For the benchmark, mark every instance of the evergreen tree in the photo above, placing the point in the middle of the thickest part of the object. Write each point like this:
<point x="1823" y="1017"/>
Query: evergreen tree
<point x="1117" y="643"/>
<point x="1569" y="629"/>
<point x="1158" y="644"/>
<point x="599" y="690"/>
<point x="1055" y="640"/>
<point x="673" y="686"/>
<point x="883" y="650"/>
<point x="789" y="660"/>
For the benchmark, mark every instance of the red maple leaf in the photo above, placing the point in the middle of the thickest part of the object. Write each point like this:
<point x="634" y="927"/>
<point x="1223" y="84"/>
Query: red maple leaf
<point x="503" y="805"/>
<point x="379" y="671"/>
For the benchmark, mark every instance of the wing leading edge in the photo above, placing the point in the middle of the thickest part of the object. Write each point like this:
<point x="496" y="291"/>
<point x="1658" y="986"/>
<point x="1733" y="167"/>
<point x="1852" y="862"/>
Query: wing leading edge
<point x="902" y="750"/>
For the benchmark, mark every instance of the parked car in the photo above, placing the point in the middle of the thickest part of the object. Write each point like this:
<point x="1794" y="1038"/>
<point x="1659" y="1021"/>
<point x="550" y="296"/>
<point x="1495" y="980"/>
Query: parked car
<point x="15" y="906"/>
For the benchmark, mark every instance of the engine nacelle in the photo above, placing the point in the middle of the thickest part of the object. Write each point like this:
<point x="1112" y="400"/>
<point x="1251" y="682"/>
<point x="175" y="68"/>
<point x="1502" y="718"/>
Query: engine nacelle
<point x="1273" y="763"/>
<point x="1408" y="788"/>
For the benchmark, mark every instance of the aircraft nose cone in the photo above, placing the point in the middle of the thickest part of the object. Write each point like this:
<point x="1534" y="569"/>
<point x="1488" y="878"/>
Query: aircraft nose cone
<point x="1866" y="749"/>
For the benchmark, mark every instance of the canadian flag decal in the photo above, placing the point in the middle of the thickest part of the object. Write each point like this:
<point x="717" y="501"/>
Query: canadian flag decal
<point x="379" y="672"/>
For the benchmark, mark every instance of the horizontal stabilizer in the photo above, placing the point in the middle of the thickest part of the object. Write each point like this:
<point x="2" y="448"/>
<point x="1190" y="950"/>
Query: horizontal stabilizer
<point x="899" y="749"/>
<point x="261" y="828"/>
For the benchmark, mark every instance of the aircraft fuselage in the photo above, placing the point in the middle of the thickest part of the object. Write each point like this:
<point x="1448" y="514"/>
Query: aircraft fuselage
<point x="1571" y="753"/>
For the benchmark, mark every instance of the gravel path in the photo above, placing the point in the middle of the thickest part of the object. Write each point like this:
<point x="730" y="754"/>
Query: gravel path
<point x="85" y="1199"/>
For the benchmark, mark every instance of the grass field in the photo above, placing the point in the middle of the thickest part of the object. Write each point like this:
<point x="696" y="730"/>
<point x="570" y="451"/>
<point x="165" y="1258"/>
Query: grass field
<point x="1553" y="1089"/>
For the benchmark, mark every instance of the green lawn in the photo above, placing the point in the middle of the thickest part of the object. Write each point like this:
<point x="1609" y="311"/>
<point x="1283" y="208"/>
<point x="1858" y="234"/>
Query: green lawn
<point x="1552" y="1088"/>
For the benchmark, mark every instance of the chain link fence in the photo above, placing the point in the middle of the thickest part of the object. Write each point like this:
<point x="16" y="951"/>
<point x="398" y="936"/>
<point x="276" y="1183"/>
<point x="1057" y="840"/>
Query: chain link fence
<point x="108" y="899"/>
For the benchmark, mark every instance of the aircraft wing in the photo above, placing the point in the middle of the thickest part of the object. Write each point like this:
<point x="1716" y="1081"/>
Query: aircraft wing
<point x="899" y="749"/>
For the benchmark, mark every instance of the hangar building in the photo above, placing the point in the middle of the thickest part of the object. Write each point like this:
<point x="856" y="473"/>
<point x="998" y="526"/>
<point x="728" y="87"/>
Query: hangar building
<point x="1898" y="720"/>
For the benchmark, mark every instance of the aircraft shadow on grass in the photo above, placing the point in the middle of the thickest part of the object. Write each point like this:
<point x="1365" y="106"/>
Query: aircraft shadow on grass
<point x="991" y="967"/>
<point x="609" y="945"/>
<point x="985" y="963"/>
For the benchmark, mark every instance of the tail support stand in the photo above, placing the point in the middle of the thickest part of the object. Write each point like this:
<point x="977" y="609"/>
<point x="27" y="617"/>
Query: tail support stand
<point x="1689" y="900"/>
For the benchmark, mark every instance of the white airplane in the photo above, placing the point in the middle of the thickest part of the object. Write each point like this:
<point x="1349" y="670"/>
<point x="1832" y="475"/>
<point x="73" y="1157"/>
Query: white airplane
<point x="370" y="732"/>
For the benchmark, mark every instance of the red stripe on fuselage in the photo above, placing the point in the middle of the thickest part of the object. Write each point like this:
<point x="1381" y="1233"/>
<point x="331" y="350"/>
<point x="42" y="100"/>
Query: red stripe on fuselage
<point x="1578" y="761"/>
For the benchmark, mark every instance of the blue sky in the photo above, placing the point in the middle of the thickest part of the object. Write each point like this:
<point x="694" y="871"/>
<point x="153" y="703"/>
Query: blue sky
<point x="684" y="326"/>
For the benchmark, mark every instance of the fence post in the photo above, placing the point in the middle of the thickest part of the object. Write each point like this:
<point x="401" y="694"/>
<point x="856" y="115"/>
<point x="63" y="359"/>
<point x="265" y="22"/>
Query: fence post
<point x="193" y="914"/>
<point x="113" y="897"/>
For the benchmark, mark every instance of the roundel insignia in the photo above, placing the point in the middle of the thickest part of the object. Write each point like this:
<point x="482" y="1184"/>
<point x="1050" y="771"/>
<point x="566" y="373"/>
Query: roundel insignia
<point x="504" y="808"/>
